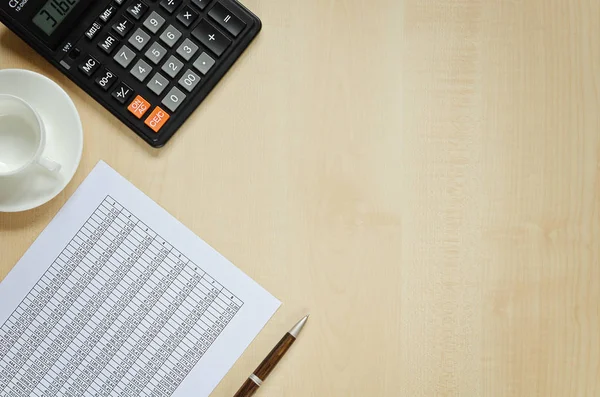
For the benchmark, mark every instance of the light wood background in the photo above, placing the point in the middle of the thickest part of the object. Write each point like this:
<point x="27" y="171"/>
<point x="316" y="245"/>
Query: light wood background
<point x="423" y="177"/>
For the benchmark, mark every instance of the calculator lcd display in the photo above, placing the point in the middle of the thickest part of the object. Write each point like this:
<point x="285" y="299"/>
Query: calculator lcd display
<point x="53" y="13"/>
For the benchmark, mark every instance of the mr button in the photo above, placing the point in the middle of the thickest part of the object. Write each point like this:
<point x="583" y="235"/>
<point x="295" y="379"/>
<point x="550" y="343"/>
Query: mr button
<point x="157" y="119"/>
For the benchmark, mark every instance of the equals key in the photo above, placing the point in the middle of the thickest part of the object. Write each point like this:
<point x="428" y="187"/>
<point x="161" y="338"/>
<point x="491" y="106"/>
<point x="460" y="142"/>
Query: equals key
<point x="227" y="19"/>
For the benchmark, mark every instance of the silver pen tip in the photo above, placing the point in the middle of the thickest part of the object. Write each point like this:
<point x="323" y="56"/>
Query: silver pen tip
<point x="295" y="331"/>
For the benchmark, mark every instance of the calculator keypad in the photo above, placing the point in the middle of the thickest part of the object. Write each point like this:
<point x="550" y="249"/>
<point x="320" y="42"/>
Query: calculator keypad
<point x="154" y="22"/>
<point x="139" y="39"/>
<point x="158" y="84"/>
<point x="141" y="70"/>
<point x="170" y="5"/>
<point x="108" y="43"/>
<point x="187" y="49"/>
<point x="227" y="19"/>
<point x="173" y="99"/>
<point x="170" y="36"/>
<point x="156" y="54"/>
<point x="211" y="37"/>
<point x="122" y="27"/>
<point x="189" y="80"/>
<point x="137" y="9"/>
<point x="204" y="63"/>
<point x="172" y="67"/>
<point x="124" y="56"/>
<point x="122" y="93"/>
<point x="187" y="16"/>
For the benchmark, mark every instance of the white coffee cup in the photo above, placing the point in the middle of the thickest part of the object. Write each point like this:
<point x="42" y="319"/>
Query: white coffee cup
<point x="22" y="138"/>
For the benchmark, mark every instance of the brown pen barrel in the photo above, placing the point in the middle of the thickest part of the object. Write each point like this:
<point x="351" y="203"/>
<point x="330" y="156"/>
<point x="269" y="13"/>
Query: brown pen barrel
<point x="247" y="389"/>
<point x="268" y="364"/>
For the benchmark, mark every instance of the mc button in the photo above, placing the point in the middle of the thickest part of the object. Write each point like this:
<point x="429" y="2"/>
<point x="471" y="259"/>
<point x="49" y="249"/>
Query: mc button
<point x="89" y="66"/>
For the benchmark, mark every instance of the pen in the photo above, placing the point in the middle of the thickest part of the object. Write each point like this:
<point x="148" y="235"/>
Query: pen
<point x="255" y="380"/>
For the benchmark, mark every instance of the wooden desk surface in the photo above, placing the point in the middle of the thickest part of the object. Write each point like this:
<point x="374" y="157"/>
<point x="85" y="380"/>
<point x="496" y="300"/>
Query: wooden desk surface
<point x="423" y="177"/>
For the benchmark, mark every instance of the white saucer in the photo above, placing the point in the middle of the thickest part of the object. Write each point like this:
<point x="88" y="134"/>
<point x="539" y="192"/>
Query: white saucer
<point x="64" y="140"/>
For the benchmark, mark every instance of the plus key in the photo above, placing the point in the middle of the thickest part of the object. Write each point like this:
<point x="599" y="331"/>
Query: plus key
<point x="211" y="37"/>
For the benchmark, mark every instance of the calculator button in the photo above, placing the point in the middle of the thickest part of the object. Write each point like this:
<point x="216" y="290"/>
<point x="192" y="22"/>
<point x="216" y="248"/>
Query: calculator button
<point x="189" y="80"/>
<point x="122" y="93"/>
<point x="187" y="16"/>
<point x="89" y="66"/>
<point x="187" y="49"/>
<point x="170" y="36"/>
<point x="157" y="119"/>
<point x="173" y="66"/>
<point x="108" y="13"/>
<point x="139" y="39"/>
<point x="201" y="4"/>
<point x="137" y="9"/>
<point x="122" y="26"/>
<point x="141" y="70"/>
<point x="125" y="56"/>
<point x="120" y="2"/>
<point x="108" y="43"/>
<point x="211" y="37"/>
<point x="93" y="30"/>
<point x="173" y="99"/>
<point x="154" y="22"/>
<point x="74" y="54"/>
<point x="204" y="63"/>
<point x="106" y="79"/>
<point x="139" y="106"/>
<point x="157" y="84"/>
<point x="227" y="19"/>
<point x="155" y="53"/>
<point x="170" y="5"/>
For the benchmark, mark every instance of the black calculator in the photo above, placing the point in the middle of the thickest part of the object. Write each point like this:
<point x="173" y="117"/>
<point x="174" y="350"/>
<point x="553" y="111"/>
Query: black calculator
<point x="149" y="62"/>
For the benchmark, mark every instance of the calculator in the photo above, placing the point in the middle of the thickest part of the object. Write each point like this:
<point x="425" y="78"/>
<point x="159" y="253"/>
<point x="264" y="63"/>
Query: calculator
<point x="149" y="62"/>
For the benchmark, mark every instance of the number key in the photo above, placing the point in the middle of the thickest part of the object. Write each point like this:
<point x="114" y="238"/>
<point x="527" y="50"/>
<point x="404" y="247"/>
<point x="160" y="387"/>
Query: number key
<point x="173" y="99"/>
<point x="187" y="49"/>
<point x="141" y="70"/>
<point x="170" y="36"/>
<point x="154" y="22"/>
<point x="155" y="53"/>
<point x="189" y="80"/>
<point x="173" y="66"/>
<point x="125" y="56"/>
<point x="158" y="83"/>
<point x="139" y="39"/>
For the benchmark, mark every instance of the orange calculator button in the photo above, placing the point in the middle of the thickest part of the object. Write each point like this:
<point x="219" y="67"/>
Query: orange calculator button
<point x="139" y="107"/>
<point x="157" y="119"/>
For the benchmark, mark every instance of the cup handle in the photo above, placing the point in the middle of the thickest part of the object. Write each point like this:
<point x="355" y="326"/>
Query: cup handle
<point x="48" y="164"/>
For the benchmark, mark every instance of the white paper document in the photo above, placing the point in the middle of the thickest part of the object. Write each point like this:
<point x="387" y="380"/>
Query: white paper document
<point x="118" y="298"/>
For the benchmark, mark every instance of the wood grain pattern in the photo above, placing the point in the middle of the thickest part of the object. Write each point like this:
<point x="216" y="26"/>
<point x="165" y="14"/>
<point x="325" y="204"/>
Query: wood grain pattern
<point x="248" y="389"/>
<point x="274" y="357"/>
<point x="422" y="176"/>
